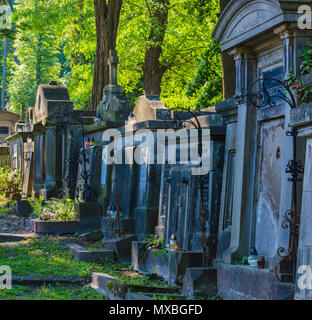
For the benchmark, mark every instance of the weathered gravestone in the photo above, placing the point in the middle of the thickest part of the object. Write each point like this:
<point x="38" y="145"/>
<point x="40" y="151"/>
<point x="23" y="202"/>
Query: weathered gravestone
<point x="179" y="208"/>
<point x="52" y="101"/>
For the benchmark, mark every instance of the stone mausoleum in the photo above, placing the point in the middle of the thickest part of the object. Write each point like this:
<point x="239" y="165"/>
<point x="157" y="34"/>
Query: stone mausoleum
<point x="259" y="39"/>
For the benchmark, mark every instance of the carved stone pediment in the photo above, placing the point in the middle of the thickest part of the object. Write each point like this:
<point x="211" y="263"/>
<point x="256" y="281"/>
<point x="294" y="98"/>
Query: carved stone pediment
<point x="244" y="19"/>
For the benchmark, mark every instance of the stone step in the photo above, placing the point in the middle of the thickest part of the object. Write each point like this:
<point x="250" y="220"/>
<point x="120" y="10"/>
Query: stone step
<point x="115" y="289"/>
<point x="82" y="254"/>
<point x="15" y="237"/>
<point x="35" y="281"/>
<point x="150" y="296"/>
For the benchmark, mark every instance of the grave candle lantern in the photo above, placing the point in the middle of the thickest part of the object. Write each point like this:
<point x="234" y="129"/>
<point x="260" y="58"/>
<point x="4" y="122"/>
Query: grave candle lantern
<point x="261" y="262"/>
<point x="173" y="243"/>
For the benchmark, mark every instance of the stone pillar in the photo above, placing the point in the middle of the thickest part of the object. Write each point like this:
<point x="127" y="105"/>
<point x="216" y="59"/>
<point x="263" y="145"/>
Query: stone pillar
<point x="244" y="159"/>
<point x="146" y="212"/>
<point x="38" y="162"/>
<point x="228" y="111"/>
<point x="294" y="42"/>
<point x="51" y="158"/>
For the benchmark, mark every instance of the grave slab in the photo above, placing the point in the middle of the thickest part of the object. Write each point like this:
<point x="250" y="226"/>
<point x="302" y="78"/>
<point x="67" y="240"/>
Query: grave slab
<point x="82" y="254"/>
<point x="245" y="283"/>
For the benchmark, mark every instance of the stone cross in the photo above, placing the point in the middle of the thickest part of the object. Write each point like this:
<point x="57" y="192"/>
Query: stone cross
<point x="112" y="63"/>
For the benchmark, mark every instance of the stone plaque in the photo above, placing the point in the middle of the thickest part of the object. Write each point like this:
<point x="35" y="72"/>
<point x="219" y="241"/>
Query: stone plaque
<point x="269" y="186"/>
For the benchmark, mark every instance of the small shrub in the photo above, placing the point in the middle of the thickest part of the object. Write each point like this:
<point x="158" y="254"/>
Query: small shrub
<point x="10" y="180"/>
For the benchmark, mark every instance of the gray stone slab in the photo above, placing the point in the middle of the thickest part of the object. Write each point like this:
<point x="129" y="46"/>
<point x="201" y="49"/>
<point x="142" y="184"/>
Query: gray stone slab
<point x="53" y="227"/>
<point x="245" y="283"/>
<point x="95" y="256"/>
<point x="9" y="237"/>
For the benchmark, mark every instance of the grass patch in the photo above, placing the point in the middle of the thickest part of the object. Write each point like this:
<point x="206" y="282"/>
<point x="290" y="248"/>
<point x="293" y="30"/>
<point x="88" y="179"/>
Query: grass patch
<point x="58" y="292"/>
<point x="49" y="257"/>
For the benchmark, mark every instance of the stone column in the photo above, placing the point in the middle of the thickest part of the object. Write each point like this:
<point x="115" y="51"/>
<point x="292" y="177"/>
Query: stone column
<point x="228" y="111"/>
<point x="51" y="158"/>
<point x="244" y="159"/>
<point x="294" y="42"/>
<point x="38" y="175"/>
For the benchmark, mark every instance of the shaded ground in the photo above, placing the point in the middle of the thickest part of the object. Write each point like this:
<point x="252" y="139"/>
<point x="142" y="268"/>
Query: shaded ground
<point x="9" y="222"/>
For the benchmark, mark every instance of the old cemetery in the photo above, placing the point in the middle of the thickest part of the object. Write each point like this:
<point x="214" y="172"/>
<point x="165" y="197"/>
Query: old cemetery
<point x="153" y="200"/>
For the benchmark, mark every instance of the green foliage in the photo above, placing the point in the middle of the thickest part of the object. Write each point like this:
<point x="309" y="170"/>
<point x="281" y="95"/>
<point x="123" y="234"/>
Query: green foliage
<point x="303" y="92"/>
<point x="36" y="46"/>
<point x="208" y="80"/>
<point x="54" y="209"/>
<point x="4" y="211"/>
<point x="188" y="35"/>
<point x="46" y="257"/>
<point x="56" y="40"/>
<point x="36" y="204"/>
<point x="242" y="261"/>
<point x="49" y="292"/>
<point x="306" y="65"/>
<point x="154" y="242"/>
<point x="10" y="180"/>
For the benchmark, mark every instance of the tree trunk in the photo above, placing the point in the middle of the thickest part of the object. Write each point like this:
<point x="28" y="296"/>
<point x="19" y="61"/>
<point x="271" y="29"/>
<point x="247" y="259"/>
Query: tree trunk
<point x="38" y="61"/>
<point x="5" y="55"/>
<point x="106" y="21"/>
<point x="152" y="69"/>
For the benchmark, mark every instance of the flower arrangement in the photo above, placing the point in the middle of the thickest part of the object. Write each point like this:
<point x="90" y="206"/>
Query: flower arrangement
<point x="154" y="242"/>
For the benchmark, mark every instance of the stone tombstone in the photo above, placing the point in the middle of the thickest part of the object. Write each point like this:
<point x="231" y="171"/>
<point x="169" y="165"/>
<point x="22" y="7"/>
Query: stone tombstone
<point x="264" y="40"/>
<point x="179" y="201"/>
<point x="52" y="100"/>
<point x="52" y="104"/>
<point x="150" y="107"/>
<point x="28" y="168"/>
<point x="147" y="194"/>
<point x="179" y="209"/>
<point x="113" y="109"/>
<point x="137" y="184"/>
<point x="93" y="169"/>
<point x="21" y="154"/>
